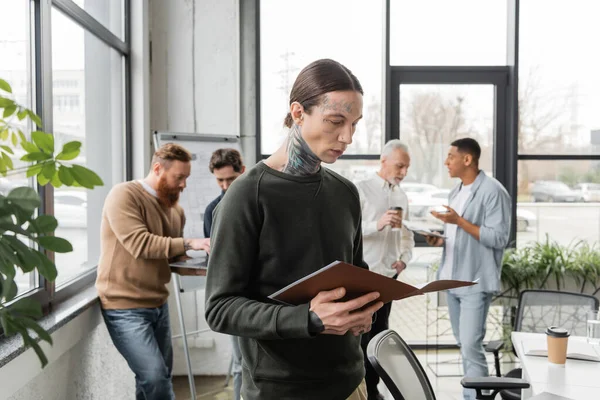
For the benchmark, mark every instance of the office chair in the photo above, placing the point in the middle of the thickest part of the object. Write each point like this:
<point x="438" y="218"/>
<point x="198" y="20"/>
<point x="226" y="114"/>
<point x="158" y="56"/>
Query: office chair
<point x="539" y="309"/>
<point x="406" y="379"/>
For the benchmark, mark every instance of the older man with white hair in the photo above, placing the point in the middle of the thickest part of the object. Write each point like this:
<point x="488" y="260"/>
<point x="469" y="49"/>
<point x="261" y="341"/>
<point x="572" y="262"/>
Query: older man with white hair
<point x="387" y="243"/>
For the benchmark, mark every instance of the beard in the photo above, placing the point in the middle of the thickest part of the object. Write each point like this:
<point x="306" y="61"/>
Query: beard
<point x="168" y="196"/>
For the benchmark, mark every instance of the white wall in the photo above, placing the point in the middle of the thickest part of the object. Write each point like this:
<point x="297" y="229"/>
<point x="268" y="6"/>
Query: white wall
<point x="83" y="364"/>
<point x="194" y="87"/>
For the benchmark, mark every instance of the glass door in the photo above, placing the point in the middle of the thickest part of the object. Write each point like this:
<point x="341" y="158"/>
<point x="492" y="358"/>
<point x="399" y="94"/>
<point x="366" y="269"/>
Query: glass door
<point x="429" y="108"/>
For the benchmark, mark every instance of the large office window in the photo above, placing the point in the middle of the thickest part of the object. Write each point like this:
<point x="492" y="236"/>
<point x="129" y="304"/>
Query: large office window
<point x="559" y="83"/>
<point x="559" y="122"/>
<point x="80" y="91"/>
<point x="292" y="36"/>
<point x="89" y="109"/>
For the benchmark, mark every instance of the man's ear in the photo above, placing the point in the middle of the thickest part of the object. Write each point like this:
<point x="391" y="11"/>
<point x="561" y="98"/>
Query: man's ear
<point x="156" y="169"/>
<point x="468" y="160"/>
<point x="243" y="169"/>
<point x="297" y="112"/>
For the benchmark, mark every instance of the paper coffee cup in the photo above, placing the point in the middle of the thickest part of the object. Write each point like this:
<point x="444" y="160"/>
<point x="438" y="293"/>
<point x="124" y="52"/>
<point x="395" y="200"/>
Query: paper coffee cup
<point x="558" y="340"/>
<point x="399" y="210"/>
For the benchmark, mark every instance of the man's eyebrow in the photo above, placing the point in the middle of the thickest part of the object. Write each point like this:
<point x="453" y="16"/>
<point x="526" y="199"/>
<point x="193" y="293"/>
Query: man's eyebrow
<point x="340" y="116"/>
<point x="335" y="115"/>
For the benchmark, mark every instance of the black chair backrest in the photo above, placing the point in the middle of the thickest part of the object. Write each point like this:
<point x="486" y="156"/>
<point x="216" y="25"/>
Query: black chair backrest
<point x="398" y="367"/>
<point x="539" y="309"/>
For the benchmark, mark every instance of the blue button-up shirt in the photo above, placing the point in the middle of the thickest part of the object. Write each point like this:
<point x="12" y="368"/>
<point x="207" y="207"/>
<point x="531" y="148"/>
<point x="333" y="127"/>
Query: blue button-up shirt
<point x="488" y="207"/>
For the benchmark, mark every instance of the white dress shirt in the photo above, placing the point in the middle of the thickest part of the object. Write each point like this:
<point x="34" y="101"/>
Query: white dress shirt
<point x="458" y="205"/>
<point x="381" y="249"/>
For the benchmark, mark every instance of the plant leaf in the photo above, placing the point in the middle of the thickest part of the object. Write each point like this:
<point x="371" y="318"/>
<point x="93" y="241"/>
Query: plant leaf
<point x="71" y="146"/>
<point x="28" y="146"/>
<point x="46" y="267"/>
<point x="36" y="156"/>
<point x="7" y="149"/>
<point x="27" y="306"/>
<point x="65" y="176"/>
<point x="44" y="224"/>
<point x="14" y="139"/>
<point x="44" y="141"/>
<point x="27" y="257"/>
<point x="25" y="198"/>
<point x="56" y="244"/>
<point x="7" y="325"/>
<point x="10" y="290"/>
<point x="22" y="114"/>
<point x="28" y="340"/>
<point x="5" y="86"/>
<point x="55" y="181"/>
<point x="7" y="160"/>
<point x="34" y="326"/>
<point x="42" y="180"/>
<point x="8" y="111"/>
<point x="5" y="102"/>
<point x="34" y="170"/>
<point x="10" y="259"/>
<point x="36" y="120"/>
<point x="85" y="177"/>
<point x="67" y="156"/>
<point x="49" y="170"/>
<point x="70" y="151"/>
<point x="9" y="226"/>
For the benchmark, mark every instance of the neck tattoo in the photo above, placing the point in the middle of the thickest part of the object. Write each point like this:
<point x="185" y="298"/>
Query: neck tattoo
<point x="301" y="161"/>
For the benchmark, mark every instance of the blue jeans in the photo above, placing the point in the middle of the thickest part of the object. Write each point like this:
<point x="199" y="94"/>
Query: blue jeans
<point x="236" y="368"/>
<point x="143" y="337"/>
<point x="467" y="316"/>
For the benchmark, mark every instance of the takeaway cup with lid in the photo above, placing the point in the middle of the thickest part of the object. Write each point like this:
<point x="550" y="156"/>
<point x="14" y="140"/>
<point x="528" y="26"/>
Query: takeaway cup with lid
<point x="558" y="339"/>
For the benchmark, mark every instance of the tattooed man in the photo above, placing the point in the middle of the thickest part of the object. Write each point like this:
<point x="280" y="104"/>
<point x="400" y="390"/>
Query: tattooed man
<point x="283" y="219"/>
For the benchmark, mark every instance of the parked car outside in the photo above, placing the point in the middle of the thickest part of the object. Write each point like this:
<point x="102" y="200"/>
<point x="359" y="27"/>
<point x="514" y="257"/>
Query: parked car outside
<point x="554" y="191"/>
<point x="588" y="191"/>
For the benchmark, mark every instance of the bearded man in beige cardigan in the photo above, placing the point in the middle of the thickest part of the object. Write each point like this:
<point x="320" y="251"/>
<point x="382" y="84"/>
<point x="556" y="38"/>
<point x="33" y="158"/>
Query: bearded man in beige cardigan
<point x="142" y="230"/>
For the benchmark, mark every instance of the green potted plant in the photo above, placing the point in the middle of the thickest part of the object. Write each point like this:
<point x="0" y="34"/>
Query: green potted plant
<point x="546" y="265"/>
<point x="24" y="235"/>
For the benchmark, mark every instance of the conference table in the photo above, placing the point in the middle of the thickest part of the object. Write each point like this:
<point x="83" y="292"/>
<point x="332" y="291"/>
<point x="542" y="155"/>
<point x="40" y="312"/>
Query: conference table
<point x="577" y="379"/>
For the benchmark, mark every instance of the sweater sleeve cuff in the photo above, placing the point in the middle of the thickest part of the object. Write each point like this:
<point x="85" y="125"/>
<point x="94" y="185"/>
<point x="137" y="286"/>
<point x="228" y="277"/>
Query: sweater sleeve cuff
<point x="315" y="325"/>
<point x="177" y="247"/>
<point x="292" y="322"/>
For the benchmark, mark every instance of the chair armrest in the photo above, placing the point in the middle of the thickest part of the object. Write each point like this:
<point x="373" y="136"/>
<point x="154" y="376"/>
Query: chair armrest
<point x="494" y="346"/>
<point x="493" y="382"/>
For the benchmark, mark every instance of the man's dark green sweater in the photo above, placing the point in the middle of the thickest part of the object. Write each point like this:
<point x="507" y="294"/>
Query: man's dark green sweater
<point x="269" y="230"/>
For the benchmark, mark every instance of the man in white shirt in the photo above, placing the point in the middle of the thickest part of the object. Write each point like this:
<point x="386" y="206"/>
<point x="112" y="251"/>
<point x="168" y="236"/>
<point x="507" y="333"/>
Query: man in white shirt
<point x="387" y="249"/>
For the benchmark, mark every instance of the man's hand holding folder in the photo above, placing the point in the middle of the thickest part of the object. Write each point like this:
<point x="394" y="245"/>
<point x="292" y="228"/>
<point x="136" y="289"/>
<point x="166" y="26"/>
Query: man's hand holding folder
<point x="339" y="317"/>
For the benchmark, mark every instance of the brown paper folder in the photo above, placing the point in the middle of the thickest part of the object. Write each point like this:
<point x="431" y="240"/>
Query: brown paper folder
<point x="357" y="281"/>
